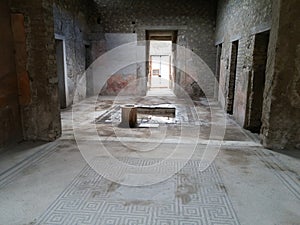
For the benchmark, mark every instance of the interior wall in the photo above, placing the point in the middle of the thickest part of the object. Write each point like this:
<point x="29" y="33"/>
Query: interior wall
<point x="72" y="24"/>
<point x="31" y="95"/>
<point x="194" y="21"/>
<point x="10" y="116"/>
<point x="40" y="113"/>
<point x="281" y="110"/>
<point x="124" y="81"/>
<point x="239" y="20"/>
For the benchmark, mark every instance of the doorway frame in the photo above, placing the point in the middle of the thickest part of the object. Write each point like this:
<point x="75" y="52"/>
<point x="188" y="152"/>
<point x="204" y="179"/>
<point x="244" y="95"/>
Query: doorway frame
<point x="255" y="95"/>
<point x="161" y="35"/>
<point x="151" y="70"/>
<point x="66" y="92"/>
<point x="232" y="76"/>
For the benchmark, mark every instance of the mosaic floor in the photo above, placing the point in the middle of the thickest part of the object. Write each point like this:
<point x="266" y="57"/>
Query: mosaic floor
<point x="51" y="184"/>
<point x="188" y="198"/>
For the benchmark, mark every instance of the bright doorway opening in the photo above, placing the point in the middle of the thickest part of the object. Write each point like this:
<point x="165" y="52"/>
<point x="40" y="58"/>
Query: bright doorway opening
<point x="160" y="74"/>
<point x="161" y="55"/>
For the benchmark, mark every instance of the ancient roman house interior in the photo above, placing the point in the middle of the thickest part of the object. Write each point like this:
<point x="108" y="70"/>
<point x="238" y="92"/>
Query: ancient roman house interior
<point x="148" y="112"/>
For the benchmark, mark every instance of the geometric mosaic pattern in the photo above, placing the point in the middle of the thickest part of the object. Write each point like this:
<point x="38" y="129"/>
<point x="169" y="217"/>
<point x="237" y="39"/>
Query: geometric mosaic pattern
<point x="194" y="198"/>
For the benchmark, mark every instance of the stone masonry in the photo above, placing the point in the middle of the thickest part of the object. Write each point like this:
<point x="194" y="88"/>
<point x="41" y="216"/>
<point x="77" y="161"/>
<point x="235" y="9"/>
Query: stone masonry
<point x="40" y="114"/>
<point x="239" y="21"/>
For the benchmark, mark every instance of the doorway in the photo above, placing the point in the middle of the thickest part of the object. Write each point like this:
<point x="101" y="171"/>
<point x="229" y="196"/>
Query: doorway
<point x="89" y="76"/>
<point x="87" y="54"/>
<point x="160" y="64"/>
<point x="160" y="56"/>
<point x="232" y="76"/>
<point x="60" y="62"/>
<point x="257" y="82"/>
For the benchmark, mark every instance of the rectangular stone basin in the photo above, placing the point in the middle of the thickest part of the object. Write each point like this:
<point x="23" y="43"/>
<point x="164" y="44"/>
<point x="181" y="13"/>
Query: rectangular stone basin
<point x="157" y="110"/>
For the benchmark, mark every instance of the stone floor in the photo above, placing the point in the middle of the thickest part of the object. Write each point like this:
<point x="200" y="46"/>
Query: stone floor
<point x="52" y="183"/>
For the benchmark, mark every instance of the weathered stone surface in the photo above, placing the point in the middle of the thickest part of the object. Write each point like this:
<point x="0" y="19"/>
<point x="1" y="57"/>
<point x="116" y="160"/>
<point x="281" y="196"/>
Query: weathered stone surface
<point x="10" y="118"/>
<point x="41" y="115"/>
<point x="257" y="82"/>
<point x="281" y="111"/>
<point x="71" y="22"/>
<point x="239" y="20"/>
<point x="243" y="21"/>
<point x="19" y="37"/>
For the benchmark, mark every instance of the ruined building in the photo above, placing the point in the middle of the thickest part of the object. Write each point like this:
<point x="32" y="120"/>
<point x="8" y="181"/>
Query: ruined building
<point x="149" y="112"/>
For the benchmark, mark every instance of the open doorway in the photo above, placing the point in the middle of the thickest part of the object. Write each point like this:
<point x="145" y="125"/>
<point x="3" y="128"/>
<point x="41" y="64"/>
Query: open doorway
<point x="232" y="77"/>
<point x="160" y="72"/>
<point x="160" y="56"/>
<point x="257" y="82"/>
<point x="160" y="64"/>
<point x="60" y="62"/>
